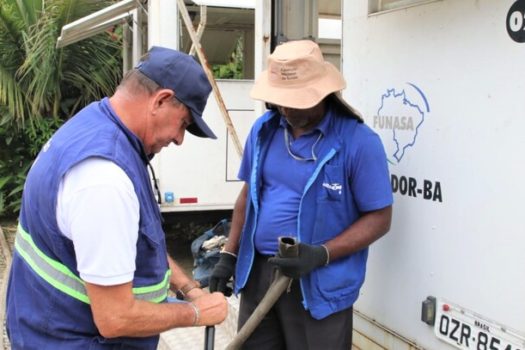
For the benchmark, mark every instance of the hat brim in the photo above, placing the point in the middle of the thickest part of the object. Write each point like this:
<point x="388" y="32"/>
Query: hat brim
<point x="199" y="127"/>
<point x="345" y="106"/>
<point x="294" y="96"/>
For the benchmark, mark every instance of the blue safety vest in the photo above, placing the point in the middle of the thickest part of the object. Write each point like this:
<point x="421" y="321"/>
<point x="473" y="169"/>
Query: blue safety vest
<point x="47" y="304"/>
<point x="327" y="207"/>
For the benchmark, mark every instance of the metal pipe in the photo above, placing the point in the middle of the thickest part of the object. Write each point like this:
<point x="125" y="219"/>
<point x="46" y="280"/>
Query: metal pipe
<point x="288" y="247"/>
<point x="106" y="14"/>
<point x="209" y="338"/>
<point x="73" y="35"/>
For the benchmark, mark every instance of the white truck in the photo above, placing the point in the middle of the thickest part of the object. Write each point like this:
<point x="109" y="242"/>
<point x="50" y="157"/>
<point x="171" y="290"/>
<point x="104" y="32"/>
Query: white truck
<point x="443" y="83"/>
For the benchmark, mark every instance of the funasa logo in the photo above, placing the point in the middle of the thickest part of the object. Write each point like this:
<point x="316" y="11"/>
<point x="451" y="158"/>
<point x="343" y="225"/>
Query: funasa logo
<point x="399" y="119"/>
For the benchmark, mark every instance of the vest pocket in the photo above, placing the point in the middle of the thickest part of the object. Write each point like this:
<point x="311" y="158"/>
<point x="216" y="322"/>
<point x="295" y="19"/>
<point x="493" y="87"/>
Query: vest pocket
<point x="151" y="251"/>
<point x="151" y="260"/>
<point x="341" y="277"/>
<point x="330" y="219"/>
<point x="330" y="204"/>
<point x="153" y="233"/>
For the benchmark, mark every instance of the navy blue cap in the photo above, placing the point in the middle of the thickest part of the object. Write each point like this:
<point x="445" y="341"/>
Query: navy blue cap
<point x="180" y="72"/>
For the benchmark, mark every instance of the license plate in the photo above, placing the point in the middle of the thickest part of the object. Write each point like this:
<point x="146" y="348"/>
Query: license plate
<point x="469" y="331"/>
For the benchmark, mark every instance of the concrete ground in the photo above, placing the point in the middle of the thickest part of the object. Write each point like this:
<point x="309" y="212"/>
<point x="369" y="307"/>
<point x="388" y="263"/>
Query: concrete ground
<point x="193" y="338"/>
<point x="7" y="236"/>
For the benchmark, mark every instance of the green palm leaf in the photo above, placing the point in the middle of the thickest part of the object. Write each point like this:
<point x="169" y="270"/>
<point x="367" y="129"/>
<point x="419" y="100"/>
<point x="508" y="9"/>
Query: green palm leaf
<point x="41" y="85"/>
<point x="36" y="79"/>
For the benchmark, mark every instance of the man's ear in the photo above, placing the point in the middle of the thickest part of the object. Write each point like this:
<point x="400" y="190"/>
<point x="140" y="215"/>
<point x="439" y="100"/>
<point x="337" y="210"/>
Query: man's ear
<point x="161" y="97"/>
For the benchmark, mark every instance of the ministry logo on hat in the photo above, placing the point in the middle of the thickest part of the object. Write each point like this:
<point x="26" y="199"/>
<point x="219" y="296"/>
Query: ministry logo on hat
<point x="180" y="72"/>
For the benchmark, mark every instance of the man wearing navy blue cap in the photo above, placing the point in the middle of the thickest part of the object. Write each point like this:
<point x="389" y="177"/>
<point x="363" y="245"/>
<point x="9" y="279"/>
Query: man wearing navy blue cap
<point x="180" y="73"/>
<point x="90" y="268"/>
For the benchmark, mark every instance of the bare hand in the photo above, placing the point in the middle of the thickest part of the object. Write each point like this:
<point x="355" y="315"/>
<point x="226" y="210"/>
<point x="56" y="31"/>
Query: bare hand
<point x="195" y="293"/>
<point x="213" y="309"/>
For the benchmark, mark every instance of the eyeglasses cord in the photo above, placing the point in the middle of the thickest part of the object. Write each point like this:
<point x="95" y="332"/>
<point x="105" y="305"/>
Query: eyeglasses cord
<point x="287" y="143"/>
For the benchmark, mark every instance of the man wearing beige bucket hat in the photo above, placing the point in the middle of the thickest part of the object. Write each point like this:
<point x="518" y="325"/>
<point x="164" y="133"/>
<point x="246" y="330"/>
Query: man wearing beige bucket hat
<point x="313" y="171"/>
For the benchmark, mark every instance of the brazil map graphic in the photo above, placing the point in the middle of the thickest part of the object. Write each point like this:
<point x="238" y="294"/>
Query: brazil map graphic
<point x="399" y="118"/>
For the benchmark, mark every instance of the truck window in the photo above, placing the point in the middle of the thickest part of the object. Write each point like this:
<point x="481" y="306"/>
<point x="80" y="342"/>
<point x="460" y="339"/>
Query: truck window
<point x="330" y="28"/>
<point x="375" y="6"/>
<point x="227" y="39"/>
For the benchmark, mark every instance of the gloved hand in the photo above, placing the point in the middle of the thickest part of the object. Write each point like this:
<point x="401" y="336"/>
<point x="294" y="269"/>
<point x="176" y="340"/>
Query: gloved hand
<point x="221" y="274"/>
<point x="309" y="258"/>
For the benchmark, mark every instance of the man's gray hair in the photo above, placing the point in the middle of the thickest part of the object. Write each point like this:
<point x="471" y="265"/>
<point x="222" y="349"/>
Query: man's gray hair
<point x="136" y="82"/>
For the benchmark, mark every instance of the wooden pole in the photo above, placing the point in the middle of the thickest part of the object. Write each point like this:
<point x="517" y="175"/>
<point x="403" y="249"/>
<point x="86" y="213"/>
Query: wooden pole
<point x="204" y="62"/>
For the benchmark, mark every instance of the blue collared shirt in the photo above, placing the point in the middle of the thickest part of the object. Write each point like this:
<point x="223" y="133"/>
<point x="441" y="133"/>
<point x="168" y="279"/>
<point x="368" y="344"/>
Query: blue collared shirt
<point x="284" y="179"/>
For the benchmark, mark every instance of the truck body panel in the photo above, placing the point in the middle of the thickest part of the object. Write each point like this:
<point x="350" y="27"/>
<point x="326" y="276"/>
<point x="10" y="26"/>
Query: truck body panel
<point x="201" y="174"/>
<point x="442" y="84"/>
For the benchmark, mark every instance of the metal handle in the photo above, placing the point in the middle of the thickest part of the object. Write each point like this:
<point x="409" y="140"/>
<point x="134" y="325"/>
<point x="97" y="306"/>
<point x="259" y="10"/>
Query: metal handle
<point x="288" y="247"/>
<point x="209" y="338"/>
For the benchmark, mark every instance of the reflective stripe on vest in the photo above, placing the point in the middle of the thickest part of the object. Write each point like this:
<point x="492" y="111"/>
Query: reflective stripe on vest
<point x="60" y="276"/>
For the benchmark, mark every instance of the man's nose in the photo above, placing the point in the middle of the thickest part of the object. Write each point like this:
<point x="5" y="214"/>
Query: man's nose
<point x="180" y="138"/>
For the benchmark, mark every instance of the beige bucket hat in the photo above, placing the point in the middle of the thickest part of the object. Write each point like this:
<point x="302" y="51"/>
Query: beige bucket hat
<point x="299" y="77"/>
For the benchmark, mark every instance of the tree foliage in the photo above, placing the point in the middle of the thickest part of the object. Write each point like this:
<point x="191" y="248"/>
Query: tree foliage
<point x="40" y="85"/>
<point x="18" y="148"/>
<point x="233" y="69"/>
<point x="36" y="79"/>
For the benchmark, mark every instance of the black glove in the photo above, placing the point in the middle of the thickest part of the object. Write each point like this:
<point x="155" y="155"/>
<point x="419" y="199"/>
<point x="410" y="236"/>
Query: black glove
<point x="221" y="274"/>
<point x="309" y="258"/>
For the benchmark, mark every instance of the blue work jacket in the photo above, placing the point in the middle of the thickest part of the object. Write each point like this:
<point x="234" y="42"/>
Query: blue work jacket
<point x="47" y="305"/>
<point x="327" y="207"/>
